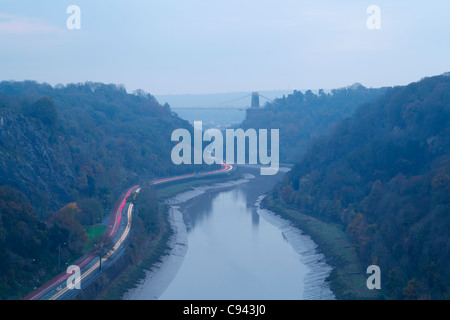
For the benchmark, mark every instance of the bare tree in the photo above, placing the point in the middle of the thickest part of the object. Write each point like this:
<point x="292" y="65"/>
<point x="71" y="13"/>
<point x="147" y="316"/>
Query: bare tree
<point x="102" y="248"/>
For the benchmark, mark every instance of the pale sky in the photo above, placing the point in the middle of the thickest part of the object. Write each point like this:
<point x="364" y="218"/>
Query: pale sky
<point x="213" y="46"/>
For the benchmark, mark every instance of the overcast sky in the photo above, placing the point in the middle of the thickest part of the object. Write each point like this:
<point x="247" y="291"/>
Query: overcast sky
<point x="211" y="46"/>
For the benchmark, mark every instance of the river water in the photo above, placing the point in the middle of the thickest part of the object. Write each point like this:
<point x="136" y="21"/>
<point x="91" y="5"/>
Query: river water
<point x="226" y="247"/>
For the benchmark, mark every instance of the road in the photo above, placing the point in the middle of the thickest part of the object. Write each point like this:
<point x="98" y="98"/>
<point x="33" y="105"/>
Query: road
<point x="89" y="264"/>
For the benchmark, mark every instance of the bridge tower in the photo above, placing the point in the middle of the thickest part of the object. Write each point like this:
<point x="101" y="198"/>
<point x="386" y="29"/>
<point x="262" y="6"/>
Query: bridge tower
<point x="255" y="108"/>
<point x="255" y="100"/>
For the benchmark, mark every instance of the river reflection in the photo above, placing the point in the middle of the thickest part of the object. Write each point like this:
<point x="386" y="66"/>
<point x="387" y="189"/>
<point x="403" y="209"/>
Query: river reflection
<point x="232" y="252"/>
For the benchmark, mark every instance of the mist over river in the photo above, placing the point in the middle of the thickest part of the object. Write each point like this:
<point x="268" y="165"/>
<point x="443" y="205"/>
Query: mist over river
<point x="225" y="247"/>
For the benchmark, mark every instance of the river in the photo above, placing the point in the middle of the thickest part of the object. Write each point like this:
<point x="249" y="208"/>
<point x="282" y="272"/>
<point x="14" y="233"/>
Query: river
<point x="225" y="247"/>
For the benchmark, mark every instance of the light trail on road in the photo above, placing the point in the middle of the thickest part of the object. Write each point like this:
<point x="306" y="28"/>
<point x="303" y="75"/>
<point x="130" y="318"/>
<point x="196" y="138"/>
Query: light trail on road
<point x="113" y="226"/>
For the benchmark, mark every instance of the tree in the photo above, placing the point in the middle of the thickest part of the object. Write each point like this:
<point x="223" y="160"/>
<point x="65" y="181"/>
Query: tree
<point x="45" y="110"/>
<point x="90" y="185"/>
<point x="102" y="248"/>
<point x="91" y="211"/>
<point x="411" y="291"/>
<point x="65" y="219"/>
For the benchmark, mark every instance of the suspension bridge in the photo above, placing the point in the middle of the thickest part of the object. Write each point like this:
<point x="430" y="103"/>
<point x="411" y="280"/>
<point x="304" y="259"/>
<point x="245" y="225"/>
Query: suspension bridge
<point x="225" y="105"/>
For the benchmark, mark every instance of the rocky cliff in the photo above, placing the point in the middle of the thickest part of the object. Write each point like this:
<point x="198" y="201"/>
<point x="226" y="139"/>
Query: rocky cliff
<point x="29" y="162"/>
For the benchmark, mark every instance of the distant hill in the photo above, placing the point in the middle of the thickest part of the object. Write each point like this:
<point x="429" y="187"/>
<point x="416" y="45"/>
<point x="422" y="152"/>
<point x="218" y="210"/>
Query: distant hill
<point x="384" y="175"/>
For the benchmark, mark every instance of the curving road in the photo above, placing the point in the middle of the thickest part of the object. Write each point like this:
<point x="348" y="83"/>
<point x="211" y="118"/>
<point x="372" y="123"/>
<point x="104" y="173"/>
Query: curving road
<point x="89" y="264"/>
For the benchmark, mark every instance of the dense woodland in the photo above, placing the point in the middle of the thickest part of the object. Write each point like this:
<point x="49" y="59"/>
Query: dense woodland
<point x="66" y="154"/>
<point x="303" y="116"/>
<point x="382" y="172"/>
<point x="384" y="175"/>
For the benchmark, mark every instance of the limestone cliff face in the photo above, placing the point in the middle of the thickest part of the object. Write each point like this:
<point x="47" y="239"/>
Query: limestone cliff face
<point x="81" y="141"/>
<point x="32" y="164"/>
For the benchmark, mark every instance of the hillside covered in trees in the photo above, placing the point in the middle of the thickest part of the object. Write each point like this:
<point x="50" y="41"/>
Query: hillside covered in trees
<point x="384" y="175"/>
<point x="89" y="139"/>
<point x="66" y="154"/>
<point x="301" y="117"/>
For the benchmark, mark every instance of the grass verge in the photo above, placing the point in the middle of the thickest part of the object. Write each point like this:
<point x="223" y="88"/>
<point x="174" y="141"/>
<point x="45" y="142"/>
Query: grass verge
<point x="94" y="234"/>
